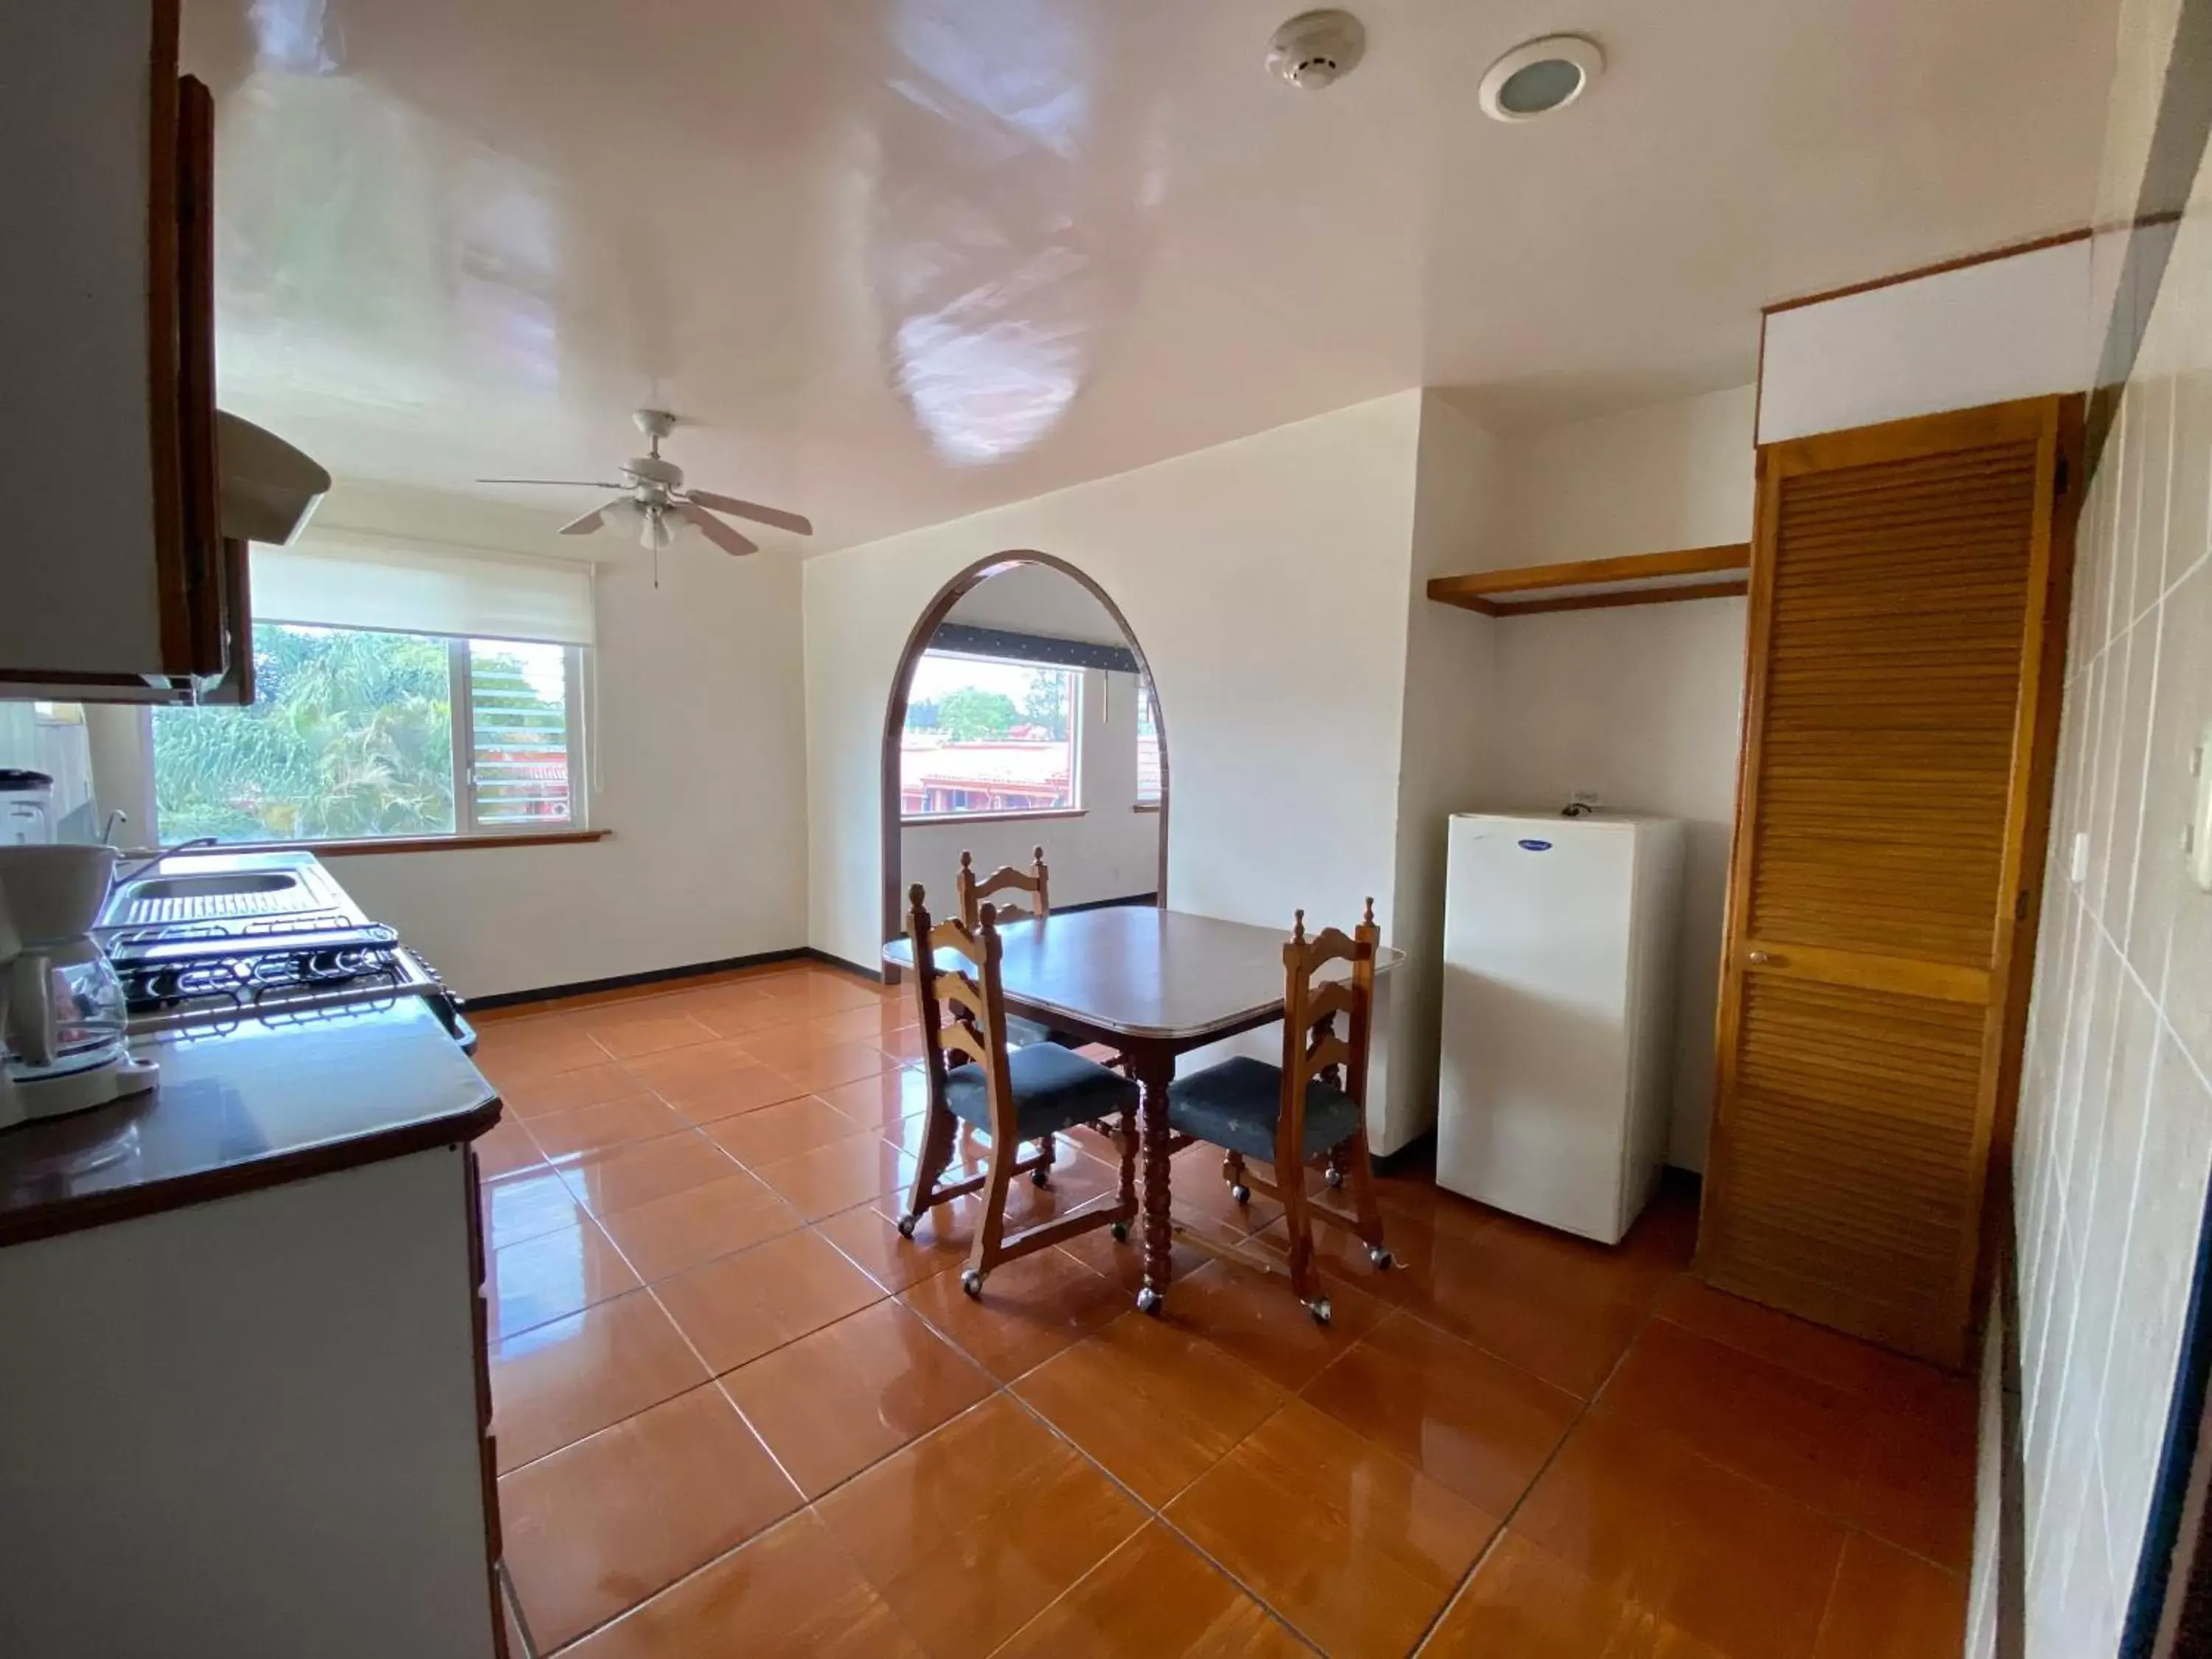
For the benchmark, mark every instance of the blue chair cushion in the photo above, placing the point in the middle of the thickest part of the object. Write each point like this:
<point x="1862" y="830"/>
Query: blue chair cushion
<point x="1054" y="1089"/>
<point x="1237" y="1104"/>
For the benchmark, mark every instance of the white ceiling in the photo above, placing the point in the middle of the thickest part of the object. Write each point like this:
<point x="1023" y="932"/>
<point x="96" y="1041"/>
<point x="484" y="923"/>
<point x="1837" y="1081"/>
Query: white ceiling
<point x="900" y="260"/>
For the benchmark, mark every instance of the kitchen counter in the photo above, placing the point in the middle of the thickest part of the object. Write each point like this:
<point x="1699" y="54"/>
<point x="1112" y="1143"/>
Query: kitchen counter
<point x="252" y="1107"/>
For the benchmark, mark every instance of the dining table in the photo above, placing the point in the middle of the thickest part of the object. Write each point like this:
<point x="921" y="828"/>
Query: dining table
<point x="1152" y="984"/>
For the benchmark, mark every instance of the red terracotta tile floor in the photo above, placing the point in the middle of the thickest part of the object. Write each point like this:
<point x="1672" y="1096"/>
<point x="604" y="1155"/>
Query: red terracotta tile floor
<point x="737" y="1413"/>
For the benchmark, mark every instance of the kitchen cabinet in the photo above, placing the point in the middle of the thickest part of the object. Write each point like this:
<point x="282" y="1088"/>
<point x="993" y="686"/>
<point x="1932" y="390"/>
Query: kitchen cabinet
<point x="247" y="1398"/>
<point x="115" y="583"/>
<point x="1908" y="610"/>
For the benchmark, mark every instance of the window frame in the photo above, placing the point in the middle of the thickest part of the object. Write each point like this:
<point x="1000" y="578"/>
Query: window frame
<point x="1148" y="714"/>
<point x="469" y="827"/>
<point x="1075" y="807"/>
<point x="462" y="708"/>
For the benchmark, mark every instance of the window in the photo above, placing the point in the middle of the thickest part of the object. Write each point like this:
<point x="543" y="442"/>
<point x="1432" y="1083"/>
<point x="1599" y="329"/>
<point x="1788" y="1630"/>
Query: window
<point x="1148" y="750"/>
<point x="397" y="694"/>
<point x="988" y="736"/>
<point x="356" y="733"/>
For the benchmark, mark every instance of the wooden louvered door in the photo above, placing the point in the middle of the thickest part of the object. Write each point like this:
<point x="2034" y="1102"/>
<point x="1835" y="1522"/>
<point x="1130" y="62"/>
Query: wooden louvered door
<point x="1907" y="595"/>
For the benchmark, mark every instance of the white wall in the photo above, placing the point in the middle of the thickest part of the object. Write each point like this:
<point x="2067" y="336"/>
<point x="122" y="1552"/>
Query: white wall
<point x="1267" y="581"/>
<point x="1643" y="704"/>
<point x="1984" y="334"/>
<point x="1110" y="851"/>
<point x="2113" y="1141"/>
<point x="1452" y="721"/>
<point x="698" y="764"/>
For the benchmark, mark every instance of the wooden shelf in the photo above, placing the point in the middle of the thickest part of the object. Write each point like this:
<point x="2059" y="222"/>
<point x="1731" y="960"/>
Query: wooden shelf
<point x="1692" y="573"/>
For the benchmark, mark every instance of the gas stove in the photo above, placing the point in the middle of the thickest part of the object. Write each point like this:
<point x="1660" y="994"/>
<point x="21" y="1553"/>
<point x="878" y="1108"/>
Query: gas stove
<point x="307" y="964"/>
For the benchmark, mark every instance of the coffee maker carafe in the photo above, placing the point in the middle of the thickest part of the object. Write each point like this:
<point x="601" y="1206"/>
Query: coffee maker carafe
<point x="62" y="1039"/>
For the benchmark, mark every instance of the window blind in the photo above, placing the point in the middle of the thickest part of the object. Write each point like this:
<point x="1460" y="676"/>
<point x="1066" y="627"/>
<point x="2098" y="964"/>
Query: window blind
<point x="337" y="580"/>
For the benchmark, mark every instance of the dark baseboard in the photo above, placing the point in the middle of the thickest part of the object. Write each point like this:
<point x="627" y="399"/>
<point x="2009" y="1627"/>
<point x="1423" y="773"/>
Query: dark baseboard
<point x="1418" y="1154"/>
<point x="651" y="977"/>
<point x="1106" y="904"/>
<point x="828" y="960"/>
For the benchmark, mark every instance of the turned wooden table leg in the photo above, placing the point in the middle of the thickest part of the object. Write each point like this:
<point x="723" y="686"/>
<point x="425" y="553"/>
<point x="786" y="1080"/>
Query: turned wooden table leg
<point x="1153" y="1076"/>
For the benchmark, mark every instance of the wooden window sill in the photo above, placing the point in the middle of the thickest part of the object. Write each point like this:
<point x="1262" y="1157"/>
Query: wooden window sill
<point x="997" y="817"/>
<point x="418" y="843"/>
<point x="1146" y="806"/>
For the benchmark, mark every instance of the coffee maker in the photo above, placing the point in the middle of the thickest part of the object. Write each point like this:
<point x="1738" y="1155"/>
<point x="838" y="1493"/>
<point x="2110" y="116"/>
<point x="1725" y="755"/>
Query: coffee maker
<point x="61" y="1038"/>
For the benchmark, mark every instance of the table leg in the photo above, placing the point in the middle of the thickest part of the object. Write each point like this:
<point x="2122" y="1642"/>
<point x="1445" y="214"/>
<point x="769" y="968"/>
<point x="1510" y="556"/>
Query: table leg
<point x="1153" y="1076"/>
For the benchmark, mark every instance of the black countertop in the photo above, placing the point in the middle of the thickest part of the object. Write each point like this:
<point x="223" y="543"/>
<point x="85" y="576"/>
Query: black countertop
<point x="252" y="1107"/>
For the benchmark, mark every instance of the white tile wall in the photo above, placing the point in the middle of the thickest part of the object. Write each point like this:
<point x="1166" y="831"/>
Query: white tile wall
<point x="2114" y="1140"/>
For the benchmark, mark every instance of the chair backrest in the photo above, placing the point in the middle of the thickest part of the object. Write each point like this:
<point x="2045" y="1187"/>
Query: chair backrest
<point x="964" y="1012"/>
<point x="1313" y="1003"/>
<point x="973" y="889"/>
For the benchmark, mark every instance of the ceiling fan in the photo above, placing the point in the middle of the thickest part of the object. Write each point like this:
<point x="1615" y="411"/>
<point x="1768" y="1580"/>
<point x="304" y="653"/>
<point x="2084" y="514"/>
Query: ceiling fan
<point x="656" y="504"/>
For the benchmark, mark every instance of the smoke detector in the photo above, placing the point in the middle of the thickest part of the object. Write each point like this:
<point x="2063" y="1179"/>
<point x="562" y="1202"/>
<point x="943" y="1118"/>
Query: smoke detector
<point x="1316" y="49"/>
<point x="1539" y="77"/>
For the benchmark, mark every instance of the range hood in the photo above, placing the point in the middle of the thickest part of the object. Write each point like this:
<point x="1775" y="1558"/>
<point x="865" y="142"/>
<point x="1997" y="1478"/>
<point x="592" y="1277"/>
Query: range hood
<point x="269" y="489"/>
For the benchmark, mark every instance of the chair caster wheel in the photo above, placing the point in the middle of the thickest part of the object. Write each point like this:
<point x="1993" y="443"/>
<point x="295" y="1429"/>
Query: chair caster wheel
<point x="1150" y="1300"/>
<point x="1319" y="1309"/>
<point x="1121" y="1231"/>
<point x="972" y="1282"/>
<point x="1241" y="1193"/>
<point x="1333" y="1177"/>
<point x="1381" y="1258"/>
<point x="1041" y="1175"/>
<point x="907" y="1224"/>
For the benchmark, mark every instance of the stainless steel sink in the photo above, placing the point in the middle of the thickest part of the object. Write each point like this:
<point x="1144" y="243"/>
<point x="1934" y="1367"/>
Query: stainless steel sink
<point x="212" y="896"/>
<point x="214" y="886"/>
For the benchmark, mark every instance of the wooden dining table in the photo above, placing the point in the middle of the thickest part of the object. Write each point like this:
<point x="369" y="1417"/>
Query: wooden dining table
<point x="1152" y="984"/>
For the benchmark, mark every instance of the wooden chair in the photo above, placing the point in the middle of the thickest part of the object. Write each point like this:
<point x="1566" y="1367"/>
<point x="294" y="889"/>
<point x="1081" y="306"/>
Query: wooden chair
<point x="1311" y="1110"/>
<point x="973" y="889"/>
<point x="1011" y="1095"/>
<point x="975" y="893"/>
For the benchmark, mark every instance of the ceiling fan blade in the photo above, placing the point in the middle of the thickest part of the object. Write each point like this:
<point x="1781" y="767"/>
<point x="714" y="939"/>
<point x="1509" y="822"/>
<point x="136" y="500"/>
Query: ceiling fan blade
<point x="715" y="530"/>
<point x="594" y="519"/>
<point x="768" y="516"/>
<point x="578" y="483"/>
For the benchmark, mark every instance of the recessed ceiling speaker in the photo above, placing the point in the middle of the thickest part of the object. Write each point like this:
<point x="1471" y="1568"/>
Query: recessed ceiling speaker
<point x="1316" y="49"/>
<point x="1541" y="76"/>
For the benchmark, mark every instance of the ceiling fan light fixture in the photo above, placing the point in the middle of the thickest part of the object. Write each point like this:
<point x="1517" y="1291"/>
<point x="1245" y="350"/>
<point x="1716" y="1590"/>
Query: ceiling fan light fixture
<point x="1539" y="78"/>
<point x="654" y="494"/>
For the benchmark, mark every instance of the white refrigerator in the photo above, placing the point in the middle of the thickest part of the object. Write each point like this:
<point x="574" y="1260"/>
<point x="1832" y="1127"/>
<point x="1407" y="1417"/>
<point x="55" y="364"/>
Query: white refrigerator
<point x="1554" y="1086"/>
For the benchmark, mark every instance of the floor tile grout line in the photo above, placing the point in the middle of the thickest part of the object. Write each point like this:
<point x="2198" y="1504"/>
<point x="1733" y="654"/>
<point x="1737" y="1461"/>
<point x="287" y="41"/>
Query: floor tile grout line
<point x="1155" y="1512"/>
<point x="1007" y="1388"/>
<point x="1842" y="1521"/>
<point x="806" y="1506"/>
<point x="513" y="1602"/>
<point x="713" y="1377"/>
<point x="1505" y="1521"/>
<point x="1652" y="1315"/>
<point x="1551" y="1456"/>
<point x="1828" y="1599"/>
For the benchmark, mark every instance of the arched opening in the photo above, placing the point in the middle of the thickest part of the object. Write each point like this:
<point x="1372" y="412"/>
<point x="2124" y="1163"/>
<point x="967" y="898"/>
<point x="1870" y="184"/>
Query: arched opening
<point x="928" y="766"/>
